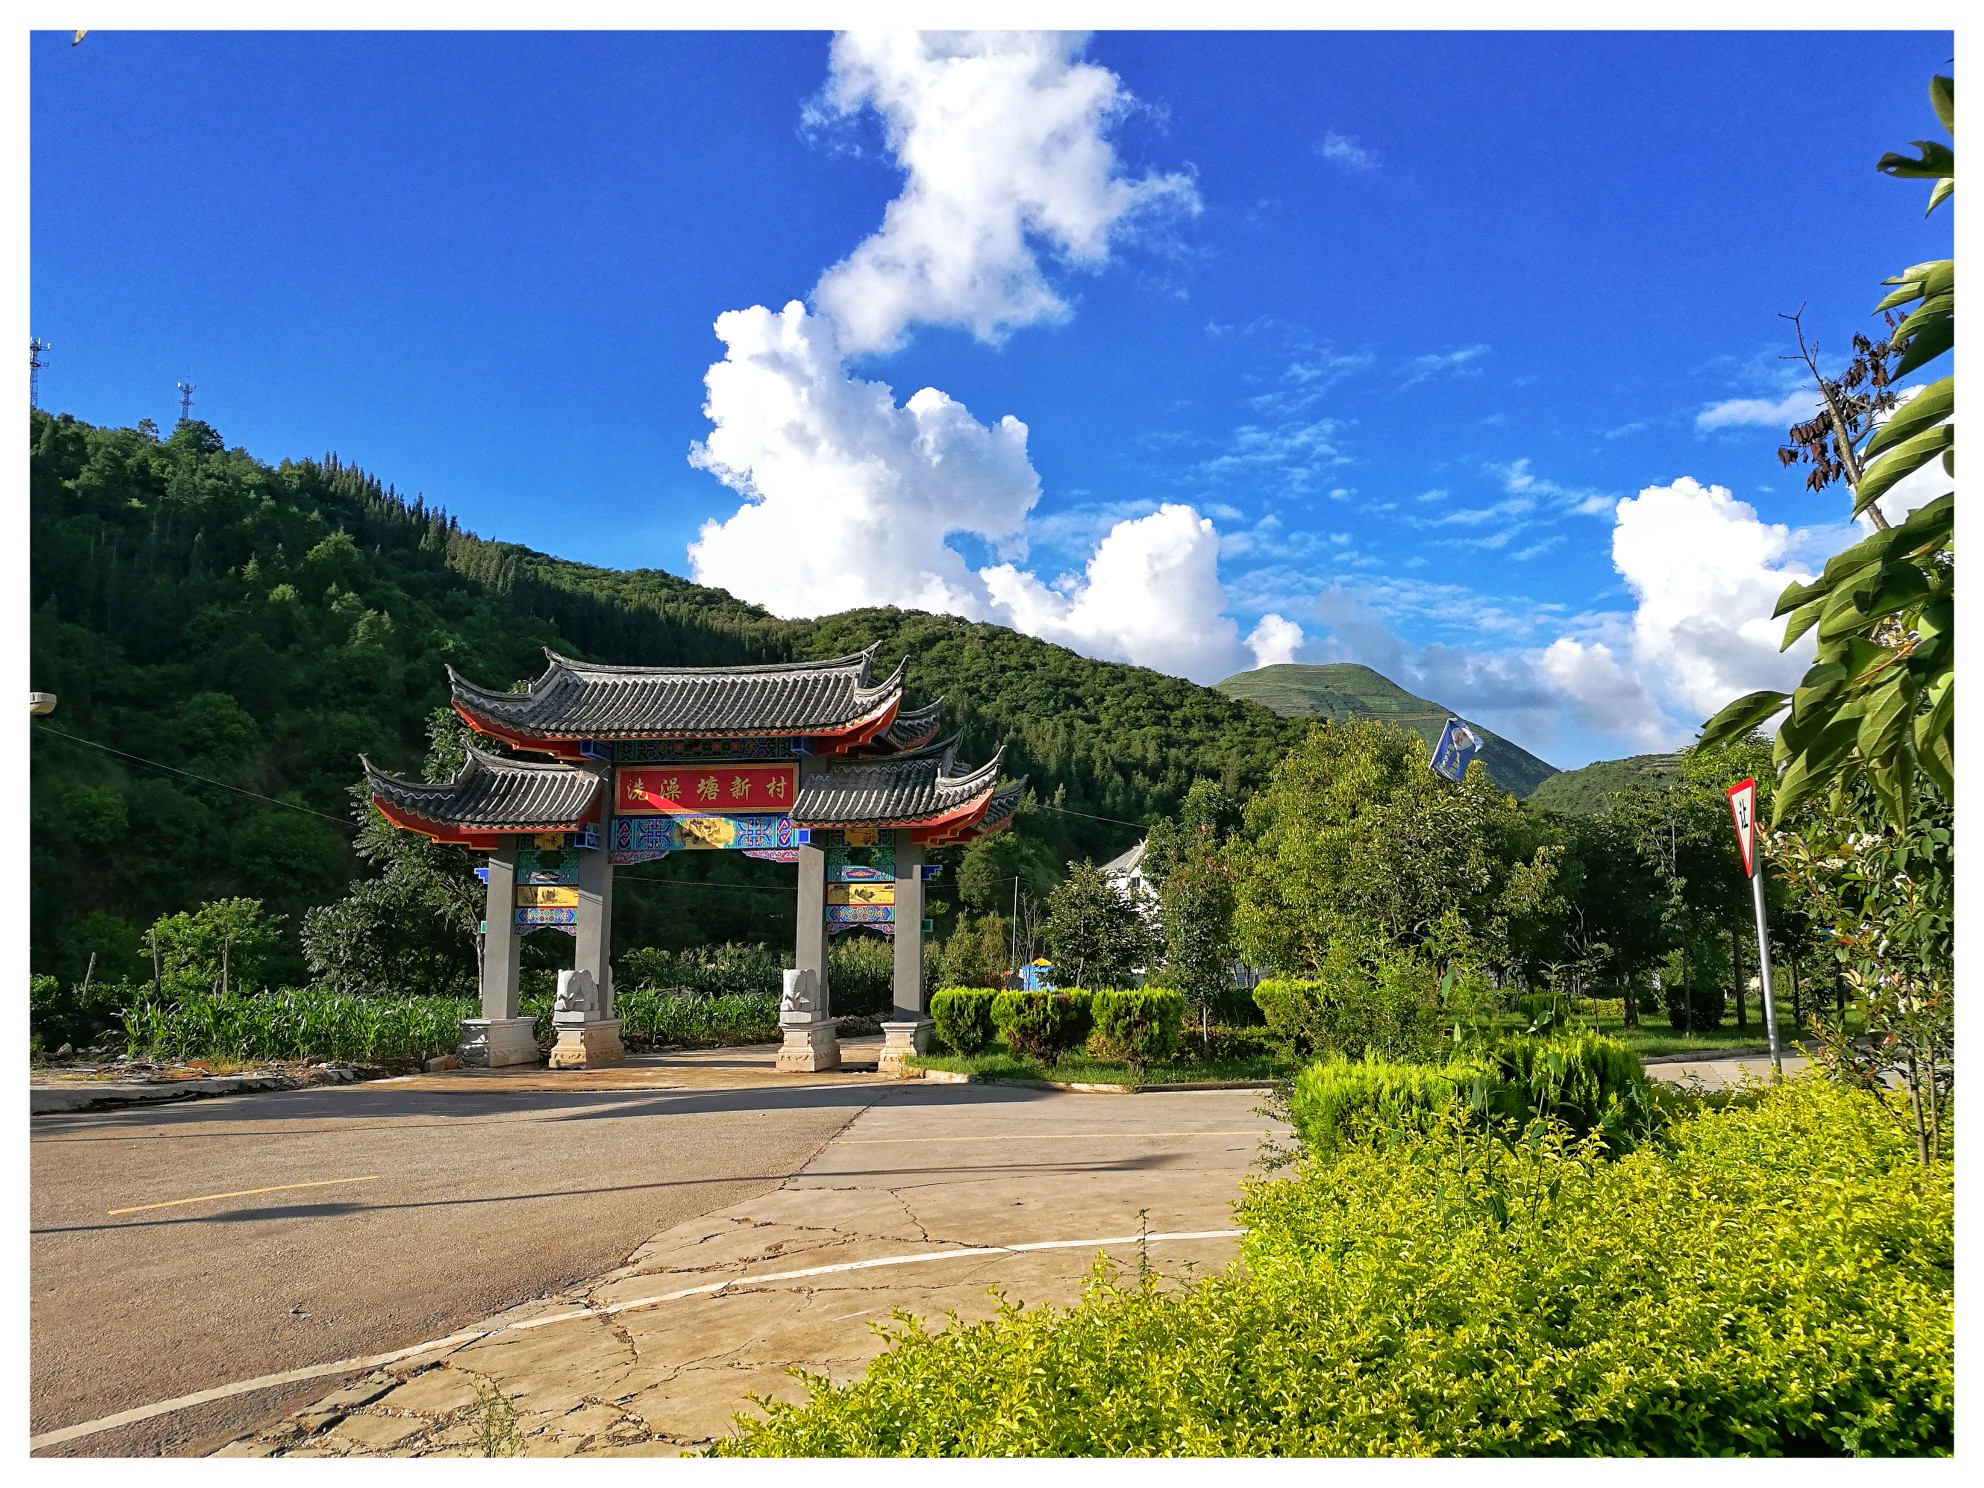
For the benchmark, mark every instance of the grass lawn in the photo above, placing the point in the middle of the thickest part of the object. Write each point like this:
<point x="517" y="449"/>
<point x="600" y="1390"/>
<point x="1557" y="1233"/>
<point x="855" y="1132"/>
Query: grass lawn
<point x="1656" y="1036"/>
<point x="1000" y="1063"/>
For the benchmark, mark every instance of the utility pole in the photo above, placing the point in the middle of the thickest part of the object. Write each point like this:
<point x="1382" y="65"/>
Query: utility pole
<point x="185" y="401"/>
<point x="35" y="348"/>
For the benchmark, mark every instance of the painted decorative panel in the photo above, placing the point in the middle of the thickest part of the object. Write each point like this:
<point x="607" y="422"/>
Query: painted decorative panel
<point x="545" y="896"/>
<point x="874" y="864"/>
<point x="538" y="918"/>
<point x="553" y="865"/>
<point x="705" y="789"/>
<point x="861" y="893"/>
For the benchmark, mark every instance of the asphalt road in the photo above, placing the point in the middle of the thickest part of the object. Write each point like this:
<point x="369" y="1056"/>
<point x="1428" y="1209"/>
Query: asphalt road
<point x="472" y="1203"/>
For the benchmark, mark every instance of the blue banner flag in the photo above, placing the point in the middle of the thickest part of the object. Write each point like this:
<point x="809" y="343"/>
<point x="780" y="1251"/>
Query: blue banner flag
<point x="1458" y="746"/>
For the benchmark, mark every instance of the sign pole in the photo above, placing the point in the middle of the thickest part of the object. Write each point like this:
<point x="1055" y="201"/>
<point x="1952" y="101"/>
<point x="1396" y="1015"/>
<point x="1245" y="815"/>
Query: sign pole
<point x="1743" y="812"/>
<point x="1763" y="971"/>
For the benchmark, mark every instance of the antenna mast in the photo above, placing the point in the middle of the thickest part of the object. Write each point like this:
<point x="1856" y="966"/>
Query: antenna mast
<point x="185" y="401"/>
<point x="35" y="348"/>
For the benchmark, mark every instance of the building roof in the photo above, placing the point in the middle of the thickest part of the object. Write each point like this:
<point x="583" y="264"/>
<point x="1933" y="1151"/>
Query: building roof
<point x="586" y="700"/>
<point x="487" y="795"/>
<point x="919" y="789"/>
<point x="1128" y="863"/>
<point x="913" y="728"/>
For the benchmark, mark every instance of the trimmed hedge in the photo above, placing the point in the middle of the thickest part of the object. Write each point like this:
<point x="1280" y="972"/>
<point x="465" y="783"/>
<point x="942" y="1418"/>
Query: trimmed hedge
<point x="963" y="1016"/>
<point x="1140" y="1026"/>
<point x="1773" y="1278"/>
<point x="1043" y="1024"/>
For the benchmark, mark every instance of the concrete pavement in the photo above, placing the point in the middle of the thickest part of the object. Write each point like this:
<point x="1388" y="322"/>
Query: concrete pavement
<point x="428" y="1209"/>
<point x="928" y="1200"/>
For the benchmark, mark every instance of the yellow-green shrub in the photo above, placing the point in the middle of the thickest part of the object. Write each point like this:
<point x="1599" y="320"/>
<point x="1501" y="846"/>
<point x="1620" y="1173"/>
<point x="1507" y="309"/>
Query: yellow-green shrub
<point x="1769" y="1279"/>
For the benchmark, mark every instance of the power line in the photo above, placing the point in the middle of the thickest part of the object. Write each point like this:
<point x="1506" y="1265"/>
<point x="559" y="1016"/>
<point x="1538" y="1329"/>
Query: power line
<point x="203" y="779"/>
<point x="1064" y="811"/>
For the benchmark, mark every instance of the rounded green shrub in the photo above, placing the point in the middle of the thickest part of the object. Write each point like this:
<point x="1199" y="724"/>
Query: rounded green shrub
<point x="963" y="1016"/>
<point x="1141" y="1025"/>
<point x="1043" y="1024"/>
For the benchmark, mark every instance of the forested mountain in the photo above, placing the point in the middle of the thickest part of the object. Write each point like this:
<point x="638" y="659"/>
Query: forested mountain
<point x="1343" y="690"/>
<point x="1590" y="790"/>
<point x="258" y="627"/>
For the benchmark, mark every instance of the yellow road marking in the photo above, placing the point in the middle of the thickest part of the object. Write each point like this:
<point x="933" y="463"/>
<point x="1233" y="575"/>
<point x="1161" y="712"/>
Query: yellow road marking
<point x="1041" y="1137"/>
<point x="243" y="1193"/>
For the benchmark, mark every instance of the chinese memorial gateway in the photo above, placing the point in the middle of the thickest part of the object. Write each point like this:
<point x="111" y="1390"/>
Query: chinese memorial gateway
<point x="814" y="763"/>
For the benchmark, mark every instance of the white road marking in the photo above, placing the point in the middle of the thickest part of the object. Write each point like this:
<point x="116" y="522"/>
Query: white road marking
<point x="473" y="1335"/>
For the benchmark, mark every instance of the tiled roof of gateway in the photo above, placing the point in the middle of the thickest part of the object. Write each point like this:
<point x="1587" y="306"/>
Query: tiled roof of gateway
<point x="584" y="700"/>
<point x="492" y="794"/>
<point x="913" y="728"/>
<point x="902" y="792"/>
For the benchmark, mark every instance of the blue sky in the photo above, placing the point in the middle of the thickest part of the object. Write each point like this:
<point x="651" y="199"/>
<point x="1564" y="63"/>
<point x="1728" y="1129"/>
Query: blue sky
<point x="1456" y="354"/>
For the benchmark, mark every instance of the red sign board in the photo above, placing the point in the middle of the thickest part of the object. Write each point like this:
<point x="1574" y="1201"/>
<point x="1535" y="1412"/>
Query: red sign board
<point x="1743" y="809"/>
<point x="699" y="789"/>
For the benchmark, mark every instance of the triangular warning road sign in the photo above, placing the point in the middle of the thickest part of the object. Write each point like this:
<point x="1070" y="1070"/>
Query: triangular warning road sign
<point x="1743" y="808"/>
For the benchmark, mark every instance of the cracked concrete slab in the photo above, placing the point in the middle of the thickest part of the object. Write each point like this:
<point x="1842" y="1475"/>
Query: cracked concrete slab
<point x="923" y="1171"/>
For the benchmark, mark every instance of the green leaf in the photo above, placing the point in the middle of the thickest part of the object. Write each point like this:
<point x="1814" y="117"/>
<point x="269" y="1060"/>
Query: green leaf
<point x="1930" y="406"/>
<point x="1739" y="717"/>
<point x="1932" y="308"/>
<point x="1885" y="725"/>
<point x="1901" y="460"/>
<point x="1935" y="160"/>
<point x="1942" y="98"/>
<point x="1945" y="188"/>
<point x="1931" y="342"/>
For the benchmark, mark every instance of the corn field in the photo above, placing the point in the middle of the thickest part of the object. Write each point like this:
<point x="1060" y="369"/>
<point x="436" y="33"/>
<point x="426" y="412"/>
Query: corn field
<point x="297" y="1025"/>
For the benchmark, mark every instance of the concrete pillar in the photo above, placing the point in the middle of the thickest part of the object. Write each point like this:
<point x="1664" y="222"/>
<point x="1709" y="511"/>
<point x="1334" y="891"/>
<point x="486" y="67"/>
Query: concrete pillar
<point x="810" y="947"/>
<point x="499" y="1036"/>
<point x="908" y="1029"/>
<point x="501" y="951"/>
<point x="910" y="1000"/>
<point x="594" y="952"/>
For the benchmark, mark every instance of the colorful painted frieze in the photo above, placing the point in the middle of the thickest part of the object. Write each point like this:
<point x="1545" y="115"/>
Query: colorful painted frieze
<point x="698" y="751"/>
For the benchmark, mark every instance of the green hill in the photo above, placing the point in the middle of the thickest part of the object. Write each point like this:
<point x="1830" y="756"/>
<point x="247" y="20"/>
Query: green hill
<point x="255" y="627"/>
<point x="1588" y="791"/>
<point x="1343" y="690"/>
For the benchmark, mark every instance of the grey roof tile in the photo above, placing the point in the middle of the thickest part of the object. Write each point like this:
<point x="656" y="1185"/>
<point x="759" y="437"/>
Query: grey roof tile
<point x="899" y="792"/>
<point x="586" y="700"/>
<point x="493" y="794"/>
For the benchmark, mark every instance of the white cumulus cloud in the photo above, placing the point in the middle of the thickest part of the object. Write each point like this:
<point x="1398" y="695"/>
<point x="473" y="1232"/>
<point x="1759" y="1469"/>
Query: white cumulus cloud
<point x="1274" y="641"/>
<point x="1150" y="594"/>
<point x="850" y="499"/>
<point x="1003" y="139"/>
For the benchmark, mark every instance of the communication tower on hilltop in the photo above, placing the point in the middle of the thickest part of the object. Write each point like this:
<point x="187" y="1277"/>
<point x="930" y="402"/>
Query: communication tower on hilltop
<point x="35" y="348"/>
<point x="185" y="401"/>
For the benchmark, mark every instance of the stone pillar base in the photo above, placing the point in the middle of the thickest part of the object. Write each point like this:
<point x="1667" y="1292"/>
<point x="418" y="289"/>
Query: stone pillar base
<point x="587" y="1044"/>
<point x="490" y="1043"/>
<point x="809" y="1048"/>
<point x="899" y="1042"/>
